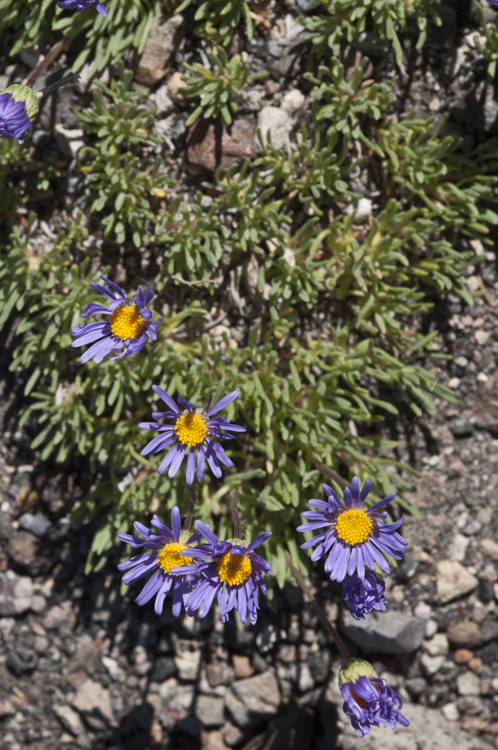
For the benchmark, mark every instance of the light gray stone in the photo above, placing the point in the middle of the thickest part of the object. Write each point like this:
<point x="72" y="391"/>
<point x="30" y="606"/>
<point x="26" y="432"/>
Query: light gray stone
<point x="164" y="37"/>
<point x="164" y="103"/>
<point x="6" y="627"/>
<point x="306" y="681"/>
<point x="293" y="101"/>
<point x="36" y="523"/>
<point x="93" y="702"/>
<point x="69" y="719"/>
<point x="361" y="210"/>
<point x="254" y="700"/>
<point x="210" y="711"/>
<point x="277" y="123"/>
<point x="431" y="664"/>
<point x="437" y="646"/>
<point x="451" y="711"/>
<point x="388" y="632"/>
<point x="468" y="683"/>
<point x="490" y="548"/>
<point x="453" y="580"/>
<point x="15" y="593"/>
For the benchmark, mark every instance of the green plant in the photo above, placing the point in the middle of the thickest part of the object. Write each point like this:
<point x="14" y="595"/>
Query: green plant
<point x="218" y="88"/>
<point x="489" y="50"/>
<point x="220" y="20"/>
<point x="348" y="19"/>
<point x="114" y="170"/>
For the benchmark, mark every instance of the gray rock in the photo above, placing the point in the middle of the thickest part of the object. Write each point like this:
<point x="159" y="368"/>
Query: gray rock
<point x="164" y="103"/>
<point x="276" y="123"/>
<point x="7" y="625"/>
<point x="415" y="687"/>
<point x="453" y="580"/>
<point x="210" y="711"/>
<point x="468" y="683"/>
<point x="164" y="37"/>
<point x="472" y="527"/>
<point x="188" y="663"/>
<point x="388" y="632"/>
<point x="436" y="646"/>
<point x="254" y="700"/>
<point x="93" y="702"/>
<point x="177" y="701"/>
<point x="431" y="664"/>
<point x="306" y="681"/>
<point x="15" y="593"/>
<point x="461" y="427"/>
<point x="36" y="523"/>
<point x="464" y="634"/>
<point x="360" y="209"/>
<point x="490" y="548"/>
<point x="54" y="618"/>
<point x="163" y="668"/>
<point x="69" y="719"/>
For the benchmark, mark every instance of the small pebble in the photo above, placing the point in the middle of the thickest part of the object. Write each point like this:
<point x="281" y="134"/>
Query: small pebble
<point x="462" y="656"/>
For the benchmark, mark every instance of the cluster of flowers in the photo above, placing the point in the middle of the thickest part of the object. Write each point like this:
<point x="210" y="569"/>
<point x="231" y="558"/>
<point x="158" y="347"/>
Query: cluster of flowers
<point x="353" y="539"/>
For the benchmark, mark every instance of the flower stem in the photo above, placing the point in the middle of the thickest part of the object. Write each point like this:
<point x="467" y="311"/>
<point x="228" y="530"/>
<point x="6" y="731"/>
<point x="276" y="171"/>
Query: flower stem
<point x="237" y="526"/>
<point x="335" y="477"/>
<point x="190" y="510"/>
<point x="47" y="60"/>
<point x="329" y="628"/>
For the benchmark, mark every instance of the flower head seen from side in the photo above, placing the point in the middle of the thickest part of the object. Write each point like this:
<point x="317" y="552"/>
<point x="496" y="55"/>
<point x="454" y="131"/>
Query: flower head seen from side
<point x="82" y="5"/>
<point x="368" y="701"/>
<point x="18" y="108"/>
<point x="164" y="553"/>
<point x="364" y="595"/>
<point x="357" y="537"/>
<point x="127" y="325"/>
<point x="233" y="574"/>
<point x="192" y="434"/>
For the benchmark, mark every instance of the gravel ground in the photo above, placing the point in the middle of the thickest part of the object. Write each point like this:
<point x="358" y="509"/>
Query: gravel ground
<point x="82" y="666"/>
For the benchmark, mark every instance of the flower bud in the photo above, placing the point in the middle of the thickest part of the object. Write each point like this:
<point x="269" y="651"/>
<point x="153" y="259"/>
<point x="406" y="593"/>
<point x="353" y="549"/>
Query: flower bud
<point x="24" y="94"/>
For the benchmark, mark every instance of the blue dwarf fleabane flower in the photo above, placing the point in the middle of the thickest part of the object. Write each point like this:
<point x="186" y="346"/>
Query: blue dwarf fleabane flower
<point x="363" y="595"/>
<point x="368" y="701"/>
<point x="82" y="5"/>
<point x="356" y="537"/>
<point x="128" y="325"/>
<point x="191" y="431"/>
<point x="18" y="108"/>
<point x="165" y="554"/>
<point x="233" y="574"/>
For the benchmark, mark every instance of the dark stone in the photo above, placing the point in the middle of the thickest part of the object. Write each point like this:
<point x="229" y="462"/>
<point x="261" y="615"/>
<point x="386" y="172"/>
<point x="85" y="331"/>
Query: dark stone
<point x="257" y="46"/>
<point x="485" y="590"/>
<point x="22" y="661"/>
<point x="461" y="427"/>
<point x="406" y="569"/>
<point x="36" y="523"/>
<point x="442" y="37"/>
<point x="415" y="687"/>
<point x="488" y="653"/>
<point x="388" y="632"/>
<point x="319" y="664"/>
<point x="163" y="668"/>
<point x="489" y="631"/>
<point x="292" y="730"/>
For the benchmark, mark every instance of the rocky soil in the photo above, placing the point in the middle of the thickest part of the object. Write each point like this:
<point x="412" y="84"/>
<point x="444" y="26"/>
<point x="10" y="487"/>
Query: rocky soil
<point x="81" y="666"/>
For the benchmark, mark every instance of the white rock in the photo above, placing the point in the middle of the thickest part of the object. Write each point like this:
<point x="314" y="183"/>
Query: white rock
<point x="290" y="257"/>
<point x="69" y="719"/>
<point x="490" y="548"/>
<point x="276" y="123"/>
<point x="112" y="667"/>
<point x="306" y="681"/>
<point x="6" y="627"/>
<point x="431" y="628"/>
<point x="293" y="101"/>
<point x="437" y="646"/>
<point x="16" y="593"/>
<point x="482" y="336"/>
<point x="458" y="547"/>
<point x="454" y="383"/>
<point x="188" y="664"/>
<point x="451" y="712"/>
<point x="468" y="683"/>
<point x="164" y="103"/>
<point x="431" y="664"/>
<point x="361" y="210"/>
<point x="94" y="702"/>
<point x="453" y="580"/>
<point x="422" y="611"/>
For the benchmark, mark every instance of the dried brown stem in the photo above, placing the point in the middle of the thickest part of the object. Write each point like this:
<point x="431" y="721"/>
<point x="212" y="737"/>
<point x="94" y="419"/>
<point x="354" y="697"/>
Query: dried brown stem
<point x="336" y="478"/>
<point x="47" y="60"/>
<point x="190" y="510"/>
<point x="237" y="526"/>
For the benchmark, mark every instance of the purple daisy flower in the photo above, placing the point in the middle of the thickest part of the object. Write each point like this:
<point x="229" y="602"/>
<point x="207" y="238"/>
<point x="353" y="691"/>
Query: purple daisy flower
<point x="82" y="5"/>
<point x="14" y="120"/>
<point x="368" y="701"/>
<point x="234" y="576"/>
<point x="191" y="431"/>
<point x="129" y="325"/>
<point x="165" y="555"/>
<point x="357" y="537"/>
<point x="363" y="595"/>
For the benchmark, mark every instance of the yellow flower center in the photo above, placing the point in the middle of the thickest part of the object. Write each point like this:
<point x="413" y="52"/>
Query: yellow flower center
<point x="191" y="429"/>
<point x="126" y="322"/>
<point x="353" y="526"/>
<point x="233" y="569"/>
<point x="169" y="557"/>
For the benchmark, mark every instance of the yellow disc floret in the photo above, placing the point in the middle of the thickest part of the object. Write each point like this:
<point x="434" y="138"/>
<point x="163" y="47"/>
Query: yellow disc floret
<point x="169" y="557"/>
<point x="233" y="569"/>
<point x="191" y="429"/>
<point x="126" y="322"/>
<point x="353" y="526"/>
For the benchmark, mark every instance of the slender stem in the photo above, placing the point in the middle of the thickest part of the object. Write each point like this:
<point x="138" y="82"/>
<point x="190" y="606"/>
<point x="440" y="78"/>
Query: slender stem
<point x="190" y="510"/>
<point x="47" y="60"/>
<point x="237" y="526"/>
<point x="331" y="631"/>
<point x="337" y="479"/>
